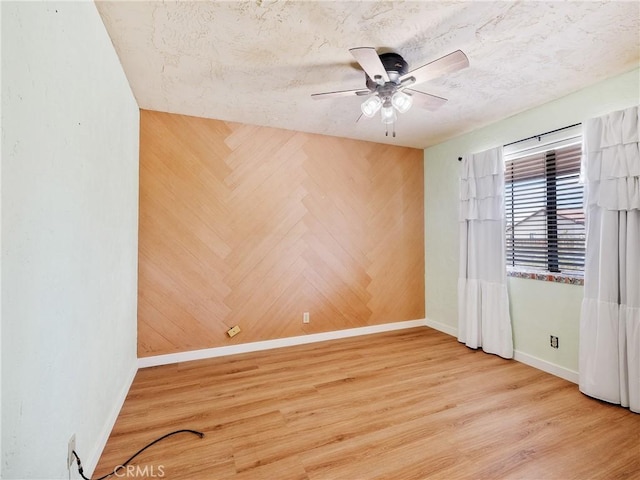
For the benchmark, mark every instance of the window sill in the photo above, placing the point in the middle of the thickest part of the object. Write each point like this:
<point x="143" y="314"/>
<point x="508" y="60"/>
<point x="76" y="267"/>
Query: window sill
<point x="546" y="276"/>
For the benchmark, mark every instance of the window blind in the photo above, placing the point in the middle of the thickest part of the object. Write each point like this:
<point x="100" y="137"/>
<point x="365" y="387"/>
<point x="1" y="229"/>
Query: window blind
<point x="545" y="227"/>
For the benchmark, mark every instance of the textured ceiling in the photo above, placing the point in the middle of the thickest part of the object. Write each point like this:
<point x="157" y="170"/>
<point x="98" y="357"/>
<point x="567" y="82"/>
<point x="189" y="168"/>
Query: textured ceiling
<point x="258" y="62"/>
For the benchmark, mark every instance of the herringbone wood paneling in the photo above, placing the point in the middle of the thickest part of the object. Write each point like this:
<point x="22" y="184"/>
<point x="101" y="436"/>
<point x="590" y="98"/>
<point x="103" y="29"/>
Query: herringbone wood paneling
<point x="252" y="226"/>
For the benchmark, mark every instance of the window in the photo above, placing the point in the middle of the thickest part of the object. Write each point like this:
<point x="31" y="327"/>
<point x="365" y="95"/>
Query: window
<point x="545" y="229"/>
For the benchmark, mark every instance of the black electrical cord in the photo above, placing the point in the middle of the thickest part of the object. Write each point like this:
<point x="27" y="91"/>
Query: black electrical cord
<point x="115" y="470"/>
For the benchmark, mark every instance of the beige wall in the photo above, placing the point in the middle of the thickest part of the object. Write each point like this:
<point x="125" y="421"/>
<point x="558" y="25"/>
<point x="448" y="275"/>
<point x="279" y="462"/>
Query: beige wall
<point x="538" y="308"/>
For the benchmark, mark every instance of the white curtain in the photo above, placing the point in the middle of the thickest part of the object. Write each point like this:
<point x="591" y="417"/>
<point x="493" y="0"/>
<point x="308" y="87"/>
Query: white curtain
<point x="610" y="317"/>
<point x="483" y="304"/>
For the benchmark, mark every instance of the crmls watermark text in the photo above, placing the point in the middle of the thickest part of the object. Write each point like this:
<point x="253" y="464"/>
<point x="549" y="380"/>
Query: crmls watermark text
<point x="148" y="471"/>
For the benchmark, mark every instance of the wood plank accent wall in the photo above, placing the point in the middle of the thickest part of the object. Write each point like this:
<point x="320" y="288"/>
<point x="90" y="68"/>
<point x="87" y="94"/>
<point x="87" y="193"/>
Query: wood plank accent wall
<point x="252" y="226"/>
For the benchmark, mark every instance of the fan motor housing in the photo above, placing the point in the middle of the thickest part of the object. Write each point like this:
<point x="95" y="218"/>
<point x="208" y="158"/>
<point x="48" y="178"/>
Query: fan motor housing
<point x="394" y="65"/>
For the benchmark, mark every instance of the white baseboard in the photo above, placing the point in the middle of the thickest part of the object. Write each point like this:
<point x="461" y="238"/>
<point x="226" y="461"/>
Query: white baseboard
<point x="442" y="327"/>
<point x="92" y="460"/>
<point x="277" y="343"/>
<point x="521" y="357"/>
<point x="546" y="366"/>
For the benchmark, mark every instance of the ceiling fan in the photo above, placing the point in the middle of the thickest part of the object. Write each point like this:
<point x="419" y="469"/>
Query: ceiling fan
<point x="387" y="82"/>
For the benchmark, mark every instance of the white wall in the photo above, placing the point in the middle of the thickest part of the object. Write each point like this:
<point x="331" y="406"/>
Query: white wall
<point x="1" y="137"/>
<point x="538" y="308"/>
<point x="69" y="236"/>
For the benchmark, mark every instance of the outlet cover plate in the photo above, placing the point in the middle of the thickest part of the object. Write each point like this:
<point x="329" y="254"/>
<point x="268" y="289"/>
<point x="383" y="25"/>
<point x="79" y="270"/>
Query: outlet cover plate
<point x="70" y="449"/>
<point x="233" y="331"/>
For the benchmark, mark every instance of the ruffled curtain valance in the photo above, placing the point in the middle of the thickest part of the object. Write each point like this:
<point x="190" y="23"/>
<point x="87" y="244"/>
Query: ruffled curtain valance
<point x="613" y="175"/>
<point x="482" y="187"/>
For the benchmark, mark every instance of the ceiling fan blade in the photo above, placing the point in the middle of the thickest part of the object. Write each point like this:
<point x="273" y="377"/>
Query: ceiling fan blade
<point x="343" y="93"/>
<point x="447" y="64"/>
<point x="425" y="100"/>
<point x="370" y="63"/>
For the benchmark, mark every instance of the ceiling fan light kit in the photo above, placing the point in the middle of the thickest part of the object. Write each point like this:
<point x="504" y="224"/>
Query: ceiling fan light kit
<point x="371" y="106"/>
<point x="388" y="115"/>
<point x="387" y="81"/>
<point x="401" y="101"/>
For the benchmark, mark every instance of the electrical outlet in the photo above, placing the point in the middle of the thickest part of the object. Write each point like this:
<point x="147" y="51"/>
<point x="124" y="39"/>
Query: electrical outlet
<point x="233" y="331"/>
<point x="554" y="342"/>
<point x="305" y="317"/>
<point x="71" y="447"/>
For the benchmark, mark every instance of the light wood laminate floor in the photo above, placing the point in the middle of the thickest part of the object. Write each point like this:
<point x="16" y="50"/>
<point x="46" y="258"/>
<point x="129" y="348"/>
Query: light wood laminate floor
<point x="410" y="404"/>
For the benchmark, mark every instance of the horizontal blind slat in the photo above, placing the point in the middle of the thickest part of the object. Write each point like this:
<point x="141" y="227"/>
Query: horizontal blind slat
<point x="542" y="196"/>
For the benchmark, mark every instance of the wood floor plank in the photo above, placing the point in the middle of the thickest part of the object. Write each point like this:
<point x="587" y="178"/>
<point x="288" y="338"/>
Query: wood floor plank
<point x="404" y="405"/>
